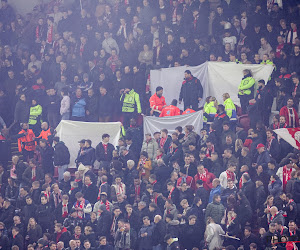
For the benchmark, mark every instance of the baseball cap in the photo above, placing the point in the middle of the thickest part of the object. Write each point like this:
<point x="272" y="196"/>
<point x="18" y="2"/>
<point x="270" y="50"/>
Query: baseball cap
<point x="260" y="145"/>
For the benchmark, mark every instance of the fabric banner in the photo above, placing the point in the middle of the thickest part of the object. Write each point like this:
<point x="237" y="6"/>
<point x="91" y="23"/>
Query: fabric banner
<point x="216" y="78"/>
<point x="290" y="135"/>
<point x="71" y="132"/>
<point x="156" y="124"/>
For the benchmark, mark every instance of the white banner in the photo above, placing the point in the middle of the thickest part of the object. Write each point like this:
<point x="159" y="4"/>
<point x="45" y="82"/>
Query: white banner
<point x="71" y="132"/>
<point x="156" y="124"/>
<point x="216" y="78"/>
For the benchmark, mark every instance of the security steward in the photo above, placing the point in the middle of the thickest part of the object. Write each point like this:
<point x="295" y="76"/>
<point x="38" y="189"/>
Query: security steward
<point x="26" y="143"/>
<point x="171" y="110"/>
<point x="246" y="90"/>
<point x="131" y="105"/>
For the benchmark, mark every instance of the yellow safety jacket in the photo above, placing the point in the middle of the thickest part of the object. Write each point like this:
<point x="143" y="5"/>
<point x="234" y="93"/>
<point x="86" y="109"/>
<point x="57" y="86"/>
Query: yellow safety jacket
<point x="131" y="100"/>
<point x="35" y="113"/>
<point x="247" y="85"/>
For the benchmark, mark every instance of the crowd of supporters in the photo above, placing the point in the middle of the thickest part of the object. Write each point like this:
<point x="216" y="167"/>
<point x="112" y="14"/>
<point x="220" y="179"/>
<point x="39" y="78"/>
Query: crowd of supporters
<point x="233" y="185"/>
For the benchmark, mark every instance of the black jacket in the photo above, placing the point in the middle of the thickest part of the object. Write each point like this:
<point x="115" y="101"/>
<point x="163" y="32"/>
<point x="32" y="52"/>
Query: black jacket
<point x="191" y="90"/>
<point x="61" y="154"/>
<point x="18" y="241"/>
<point x="22" y="111"/>
<point x="92" y="107"/>
<point x="104" y="224"/>
<point x="47" y="159"/>
<point x="249" y="191"/>
<point x="88" y="156"/>
<point x="90" y="193"/>
<point x="100" y="152"/>
<point x="159" y="233"/>
<point x="105" y="105"/>
<point x="6" y="216"/>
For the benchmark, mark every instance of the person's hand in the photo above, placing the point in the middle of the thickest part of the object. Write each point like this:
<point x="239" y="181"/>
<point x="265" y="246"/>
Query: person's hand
<point x="87" y="112"/>
<point x="179" y="102"/>
<point x="199" y="99"/>
<point x="294" y="73"/>
<point x="291" y="208"/>
<point x="294" y="94"/>
<point x="254" y="164"/>
<point x="151" y="112"/>
<point x="179" y="216"/>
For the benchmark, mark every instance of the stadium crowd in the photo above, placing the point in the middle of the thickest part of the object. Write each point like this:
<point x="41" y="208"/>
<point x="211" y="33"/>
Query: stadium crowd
<point x="233" y="185"/>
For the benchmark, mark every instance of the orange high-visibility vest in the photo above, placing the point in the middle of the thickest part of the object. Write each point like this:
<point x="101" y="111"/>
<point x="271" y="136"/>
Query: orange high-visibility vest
<point x="27" y="141"/>
<point x="170" y="111"/>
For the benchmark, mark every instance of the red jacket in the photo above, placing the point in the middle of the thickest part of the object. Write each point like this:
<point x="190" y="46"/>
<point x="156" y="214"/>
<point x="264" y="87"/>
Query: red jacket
<point x="188" y="111"/>
<point x="170" y="111"/>
<point x="157" y="102"/>
<point x="207" y="181"/>
<point x="285" y="112"/>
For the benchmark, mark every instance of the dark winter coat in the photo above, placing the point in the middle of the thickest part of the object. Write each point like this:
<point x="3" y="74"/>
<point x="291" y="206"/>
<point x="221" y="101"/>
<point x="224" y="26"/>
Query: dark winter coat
<point x="34" y="234"/>
<point x="61" y="154"/>
<point x="22" y="111"/>
<point x="105" y="105"/>
<point x="159" y="233"/>
<point x="47" y="159"/>
<point x="104" y="224"/>
<point x="92" y="107"/>
<point x="88" y="156"/>
<point x="249" y="191"/>
<point x="191" y="90"/>
<point x="90" y="193"/>
<point x="100" y="152"/>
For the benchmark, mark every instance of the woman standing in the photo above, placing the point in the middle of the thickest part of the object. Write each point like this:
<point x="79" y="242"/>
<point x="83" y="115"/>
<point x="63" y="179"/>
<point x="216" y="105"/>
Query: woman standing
<point x="212" y="234"/>
<point x="65" y="104"/>
<point x="232" y="229"/>
<point x="34" y="231"/>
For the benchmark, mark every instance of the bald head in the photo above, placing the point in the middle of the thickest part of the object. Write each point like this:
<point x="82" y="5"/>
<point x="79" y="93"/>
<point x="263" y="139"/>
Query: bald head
<point x="273" y="210"/>
<point x="44" y="126"/>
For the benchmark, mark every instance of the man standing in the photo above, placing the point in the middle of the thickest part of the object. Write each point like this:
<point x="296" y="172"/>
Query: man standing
<point x="61" y="157"/>
<point x="104" y="150"/>
<point x="171" y="110"/>
<point x="130" y="102"/>
<point x="246" y="90"/>
<point x="26" y="142"/>
<point x="290" y="114"/>
<point x="157" y="102"/>
<point x="191" y="91"/>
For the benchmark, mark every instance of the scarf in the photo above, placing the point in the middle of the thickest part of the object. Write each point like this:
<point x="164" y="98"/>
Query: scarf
<point x="65" y="211"/>
<point x="100" y="188"/>
<point x="137" y="191"/>
<point x="202" y="176"/>
<point x="241" y="181"/>
<point x="286" y="176"/>
<point x="13" y="175"/>
<point x="142" y="165"/>
<point x="159" y="156"/>
<point x="80" y="205"/>
<point x="170" y="194"/>
<point x="230" y="175"/>
<point x="50" y="34"/>
<point x="162" y="142"/>
<point x="269" y="142"/>
<point x="119" y="189"/>
<point x="47" y="195"/>
<point x="57" y="198"/>
<point x="33" y="174"/>
<point x="292" y="119"/>
<point x="272" y="217"/>
<point x="210" y="150"/>
<point x="292" y="35"/>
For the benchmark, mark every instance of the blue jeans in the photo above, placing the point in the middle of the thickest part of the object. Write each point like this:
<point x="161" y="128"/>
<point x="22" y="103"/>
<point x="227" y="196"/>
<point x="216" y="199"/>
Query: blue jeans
<point x="61" y="170"/>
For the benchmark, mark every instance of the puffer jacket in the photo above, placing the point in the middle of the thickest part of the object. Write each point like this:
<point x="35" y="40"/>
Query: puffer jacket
<point x="78" y="109"/>
<point x="150" y="147"/>
<point x="216" y="211"/>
